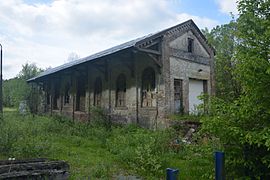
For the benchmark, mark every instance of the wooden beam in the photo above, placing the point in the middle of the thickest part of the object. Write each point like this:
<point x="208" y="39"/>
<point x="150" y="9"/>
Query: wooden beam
<point x="152" y="44"/>
<point x="150" y="51"/>
<point x="74" y="88"/>
<point x="156" y="59"/>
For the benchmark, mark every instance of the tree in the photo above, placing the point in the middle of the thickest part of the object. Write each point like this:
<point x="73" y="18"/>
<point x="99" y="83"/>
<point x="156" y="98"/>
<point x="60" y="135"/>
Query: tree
<point x="28" y="71"/>
<point x="243" y="125"/>
<point x="16" y="90"/>
<point x="72" y="57"/>
<point x="224" y="41"/>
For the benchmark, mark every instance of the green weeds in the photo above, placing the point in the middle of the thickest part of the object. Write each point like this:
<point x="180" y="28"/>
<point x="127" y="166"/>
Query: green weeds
<point x="94" y="151"/>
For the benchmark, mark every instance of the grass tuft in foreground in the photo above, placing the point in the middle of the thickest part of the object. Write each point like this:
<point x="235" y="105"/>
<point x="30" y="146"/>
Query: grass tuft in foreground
<point x="93" y="151"/>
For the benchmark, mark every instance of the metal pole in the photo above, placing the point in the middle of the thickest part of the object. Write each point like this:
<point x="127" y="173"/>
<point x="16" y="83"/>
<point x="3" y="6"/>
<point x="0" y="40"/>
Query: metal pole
<point x="1" y="83"/>
<point x="172" y="174"/>
<point x="220" y="165"/>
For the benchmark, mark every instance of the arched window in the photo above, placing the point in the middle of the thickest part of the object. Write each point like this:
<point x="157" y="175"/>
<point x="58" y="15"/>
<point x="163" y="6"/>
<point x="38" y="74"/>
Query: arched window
<point x="148" y="87"/>
<point x="121" y="91"/>
<point x="97" y="92"/>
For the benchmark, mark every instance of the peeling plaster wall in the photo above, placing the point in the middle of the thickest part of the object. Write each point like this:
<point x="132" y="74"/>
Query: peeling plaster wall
<point x="186" y="66"/>
<point x="184" y="70"/>
<point x="147" y="116"/>
<point x="176" y="62"/>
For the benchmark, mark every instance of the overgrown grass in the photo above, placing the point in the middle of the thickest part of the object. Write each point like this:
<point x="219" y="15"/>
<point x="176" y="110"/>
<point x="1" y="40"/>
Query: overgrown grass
<point x="96" y="152"/>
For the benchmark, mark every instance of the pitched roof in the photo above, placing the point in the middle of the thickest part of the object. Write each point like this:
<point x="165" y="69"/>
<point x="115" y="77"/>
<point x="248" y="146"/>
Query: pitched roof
<point x="112" y="50"/>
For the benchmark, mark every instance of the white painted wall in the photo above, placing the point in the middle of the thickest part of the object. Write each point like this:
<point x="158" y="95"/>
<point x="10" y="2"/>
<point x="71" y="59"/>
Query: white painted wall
<point x="195" y="90"/>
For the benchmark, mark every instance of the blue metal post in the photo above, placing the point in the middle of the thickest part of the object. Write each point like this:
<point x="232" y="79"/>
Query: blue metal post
<point x="172" y="174"/>
<point x="220" y="165"/>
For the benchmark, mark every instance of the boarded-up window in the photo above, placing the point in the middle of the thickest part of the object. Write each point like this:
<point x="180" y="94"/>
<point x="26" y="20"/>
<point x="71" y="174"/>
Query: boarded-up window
<point x="178" y="96"/>
<point x="97" y="92"/>
<point x="121" y="91"/>
<point x="148" y="87"/>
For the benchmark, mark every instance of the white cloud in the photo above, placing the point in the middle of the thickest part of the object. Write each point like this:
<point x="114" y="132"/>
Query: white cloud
<point x="47" y="33"/>
<point x="228" y="6"/>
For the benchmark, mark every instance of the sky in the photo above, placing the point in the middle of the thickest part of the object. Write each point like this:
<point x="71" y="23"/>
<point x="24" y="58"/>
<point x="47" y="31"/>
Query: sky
<point x="47" y="32"/>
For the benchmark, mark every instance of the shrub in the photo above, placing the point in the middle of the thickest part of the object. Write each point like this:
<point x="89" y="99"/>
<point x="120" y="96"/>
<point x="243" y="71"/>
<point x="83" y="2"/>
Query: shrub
<point x="8" y="137"/>
<point x="24" y="138"/>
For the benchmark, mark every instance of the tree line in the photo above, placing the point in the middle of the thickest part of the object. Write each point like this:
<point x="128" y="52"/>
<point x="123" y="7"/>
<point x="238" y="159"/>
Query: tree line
<point x="16" y="90"/>
<point x="239" y="115"/>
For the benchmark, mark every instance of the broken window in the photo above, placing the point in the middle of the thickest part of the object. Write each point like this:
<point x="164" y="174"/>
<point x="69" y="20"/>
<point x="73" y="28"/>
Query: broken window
<point x="148" y="87"/>
<point x="121" y="91"/>
<point x="190" y="45"/>
<point x="97" y="92"/>
<point x="178" y="96"/>
<point x="80" y="94"/>
<point x="66" y="96"/>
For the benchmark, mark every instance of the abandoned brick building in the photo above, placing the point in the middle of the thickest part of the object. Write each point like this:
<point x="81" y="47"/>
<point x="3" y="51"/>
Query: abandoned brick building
<point x="141" y="81"/>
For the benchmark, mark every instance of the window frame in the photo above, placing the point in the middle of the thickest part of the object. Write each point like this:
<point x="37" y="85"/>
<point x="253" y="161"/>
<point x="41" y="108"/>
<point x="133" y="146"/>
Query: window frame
<point x="148" y="87"/>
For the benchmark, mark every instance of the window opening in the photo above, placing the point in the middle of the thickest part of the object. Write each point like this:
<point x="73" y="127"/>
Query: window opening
<point x="121" y="90"/>
<point x="67" y="92"/>
<point x="148" y="87"/>
<point x="97" y="92"/>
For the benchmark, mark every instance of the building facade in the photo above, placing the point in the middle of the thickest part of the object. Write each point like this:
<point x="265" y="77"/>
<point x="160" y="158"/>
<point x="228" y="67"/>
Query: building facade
<point x="142" y="81"/>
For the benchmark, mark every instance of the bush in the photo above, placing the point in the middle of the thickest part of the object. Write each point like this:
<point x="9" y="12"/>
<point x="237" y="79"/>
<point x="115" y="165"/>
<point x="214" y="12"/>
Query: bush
<point x="9" y="135"/>
<point x="23" y="138"/>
